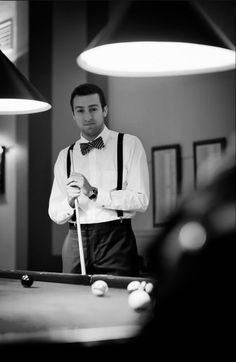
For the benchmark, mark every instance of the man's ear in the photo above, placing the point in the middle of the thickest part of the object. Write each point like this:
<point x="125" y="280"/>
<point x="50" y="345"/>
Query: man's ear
<point x="105" y="111"/>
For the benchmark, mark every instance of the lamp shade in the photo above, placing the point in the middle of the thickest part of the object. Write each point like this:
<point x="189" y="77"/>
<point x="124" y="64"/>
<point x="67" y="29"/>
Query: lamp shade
<point x="17" y="94"/>
<point x="157" y="38"/>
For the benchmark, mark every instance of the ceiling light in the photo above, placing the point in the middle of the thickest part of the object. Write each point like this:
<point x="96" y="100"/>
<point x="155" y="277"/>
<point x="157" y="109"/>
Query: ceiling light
<point x="157" y="38"/>
<point x="17" y="94"/>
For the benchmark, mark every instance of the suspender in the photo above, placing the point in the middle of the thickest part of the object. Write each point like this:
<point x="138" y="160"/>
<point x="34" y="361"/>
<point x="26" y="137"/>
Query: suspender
<point x="68" y="164"/>
<point x="68" y="161"/>
<point x="119" y="167"/>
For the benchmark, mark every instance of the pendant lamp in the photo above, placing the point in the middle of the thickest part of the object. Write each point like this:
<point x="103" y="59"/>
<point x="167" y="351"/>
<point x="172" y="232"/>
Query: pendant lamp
<point x="17" y="94"/>
<point x="158" y="38"/>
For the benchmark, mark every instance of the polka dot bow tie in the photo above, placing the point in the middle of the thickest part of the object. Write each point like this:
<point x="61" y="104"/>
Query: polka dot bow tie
<point x="88" y="146"/>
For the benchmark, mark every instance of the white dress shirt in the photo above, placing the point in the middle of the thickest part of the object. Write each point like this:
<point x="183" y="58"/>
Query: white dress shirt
<point x="100" y="169"/>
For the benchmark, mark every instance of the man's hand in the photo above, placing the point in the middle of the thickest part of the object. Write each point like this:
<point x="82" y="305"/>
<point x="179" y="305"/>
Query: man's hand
<point x="77" y="183"/>
<point x="73" y="192"/>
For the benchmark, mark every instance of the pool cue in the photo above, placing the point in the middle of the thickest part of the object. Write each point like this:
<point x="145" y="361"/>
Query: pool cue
<point x="80" y="243"/>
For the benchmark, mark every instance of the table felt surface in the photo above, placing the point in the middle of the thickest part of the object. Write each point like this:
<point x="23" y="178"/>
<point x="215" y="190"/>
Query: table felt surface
<point x="64" y="311"/>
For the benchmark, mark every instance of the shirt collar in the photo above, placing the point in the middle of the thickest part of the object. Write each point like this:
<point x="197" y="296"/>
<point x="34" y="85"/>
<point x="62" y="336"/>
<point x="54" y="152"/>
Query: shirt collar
<point x="104" y="134"/>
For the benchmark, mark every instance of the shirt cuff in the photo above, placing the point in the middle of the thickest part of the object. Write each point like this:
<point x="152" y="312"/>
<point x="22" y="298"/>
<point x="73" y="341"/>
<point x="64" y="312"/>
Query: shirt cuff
<point x="103" y="198"/>
<point x="68" y="210"/>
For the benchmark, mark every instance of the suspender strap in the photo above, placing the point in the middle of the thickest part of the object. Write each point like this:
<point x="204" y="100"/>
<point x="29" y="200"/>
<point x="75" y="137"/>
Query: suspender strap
<point x="120" y="166"/>
<point x="68" y="165"/>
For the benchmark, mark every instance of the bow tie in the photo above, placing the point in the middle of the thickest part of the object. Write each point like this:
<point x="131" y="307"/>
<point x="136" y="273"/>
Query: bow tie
<point x="88" y="146"/>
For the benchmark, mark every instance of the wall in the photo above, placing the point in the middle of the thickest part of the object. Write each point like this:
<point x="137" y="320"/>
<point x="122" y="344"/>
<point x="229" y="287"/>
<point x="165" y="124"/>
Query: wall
<point x="170" y="110"/>
<point x="8" y="200"/>
<point x="13" y="134"/>
<point x="69" y="38"/>
<point x="181" y="109"/>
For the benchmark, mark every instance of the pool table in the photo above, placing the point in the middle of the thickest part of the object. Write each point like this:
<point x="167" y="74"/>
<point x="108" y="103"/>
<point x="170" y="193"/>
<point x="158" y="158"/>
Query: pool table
<point x="60" y="309"/>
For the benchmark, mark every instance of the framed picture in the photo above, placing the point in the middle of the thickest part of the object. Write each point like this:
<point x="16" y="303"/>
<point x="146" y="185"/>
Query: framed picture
<point x="206" y="150"/>
<point x="166" y="181"/>
<point x="2" y="169"/>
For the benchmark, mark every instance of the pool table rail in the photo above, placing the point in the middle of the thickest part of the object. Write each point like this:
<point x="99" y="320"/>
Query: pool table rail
<point x="69" y="278"/>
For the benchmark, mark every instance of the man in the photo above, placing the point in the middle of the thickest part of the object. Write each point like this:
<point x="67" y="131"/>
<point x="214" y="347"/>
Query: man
<point x="106" y="206"/>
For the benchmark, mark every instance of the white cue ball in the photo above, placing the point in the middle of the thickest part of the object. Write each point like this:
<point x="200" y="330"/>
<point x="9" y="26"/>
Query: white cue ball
<point x="139" y="300"/>
<point x="99" y="288"/>
<point x="132" y="286"/>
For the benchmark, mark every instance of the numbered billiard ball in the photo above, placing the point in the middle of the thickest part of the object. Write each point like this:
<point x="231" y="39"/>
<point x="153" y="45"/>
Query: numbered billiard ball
<point x="132" y="286"/>
<point x="27" y="281"/>
<point x="149" y="288"/>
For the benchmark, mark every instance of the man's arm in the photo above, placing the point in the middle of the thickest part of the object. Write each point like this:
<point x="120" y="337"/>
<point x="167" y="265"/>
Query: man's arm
<point x="135" y="193"/>
<point x="63" y="193"/>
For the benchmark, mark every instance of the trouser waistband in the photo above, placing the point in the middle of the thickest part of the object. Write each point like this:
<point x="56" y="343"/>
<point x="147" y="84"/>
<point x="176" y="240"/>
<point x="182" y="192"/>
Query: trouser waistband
<point x="100" y="225"/>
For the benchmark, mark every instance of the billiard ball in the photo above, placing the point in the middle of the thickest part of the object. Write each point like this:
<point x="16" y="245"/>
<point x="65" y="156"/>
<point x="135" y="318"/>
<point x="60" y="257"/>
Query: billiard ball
<point x="142" y="285"/>
<point x="139" y="300"/>
<point x="27" y="281"/>
<point x="149" y="287"/>
<point x="132" y="286"/>
<point x="99" y="288"/>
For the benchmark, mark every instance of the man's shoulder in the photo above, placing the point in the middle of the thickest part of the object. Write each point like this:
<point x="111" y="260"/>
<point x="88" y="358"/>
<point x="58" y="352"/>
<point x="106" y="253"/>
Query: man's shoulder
<point x="131" y="139"/>
<point x="127" y="136"/>
<point x="65" y="150"/>
<point x="73" y="145"/>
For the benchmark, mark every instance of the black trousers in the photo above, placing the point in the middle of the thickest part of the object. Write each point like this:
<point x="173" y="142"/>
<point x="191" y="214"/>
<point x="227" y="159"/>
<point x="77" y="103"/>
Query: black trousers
<point x="109" y="248"/>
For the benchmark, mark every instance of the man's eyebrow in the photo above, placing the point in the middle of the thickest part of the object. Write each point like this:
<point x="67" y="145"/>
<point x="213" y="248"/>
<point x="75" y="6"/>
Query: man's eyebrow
<point x="91" y="105"/>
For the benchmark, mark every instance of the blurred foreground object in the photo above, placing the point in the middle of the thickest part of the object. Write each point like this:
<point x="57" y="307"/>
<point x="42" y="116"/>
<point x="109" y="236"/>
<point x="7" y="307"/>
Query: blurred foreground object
<point x="194" y="264"/>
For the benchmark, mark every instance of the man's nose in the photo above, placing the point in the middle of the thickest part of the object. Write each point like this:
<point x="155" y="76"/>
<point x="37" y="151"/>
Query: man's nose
<point x="87" y="116"/>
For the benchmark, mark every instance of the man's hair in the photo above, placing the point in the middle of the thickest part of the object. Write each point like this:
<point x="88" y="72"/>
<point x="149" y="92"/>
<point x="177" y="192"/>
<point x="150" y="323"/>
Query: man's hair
<point x="86" y="89"/>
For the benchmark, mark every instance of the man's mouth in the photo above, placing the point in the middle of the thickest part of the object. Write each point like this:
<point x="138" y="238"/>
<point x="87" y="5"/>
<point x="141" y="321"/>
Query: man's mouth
<point x="89" y="124"/>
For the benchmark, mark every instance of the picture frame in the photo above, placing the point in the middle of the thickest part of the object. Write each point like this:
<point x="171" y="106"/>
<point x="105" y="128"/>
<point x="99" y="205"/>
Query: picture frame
<point x="166" y="181"/>
<point x="203" y="150"/>
<point x="2" y="169"/>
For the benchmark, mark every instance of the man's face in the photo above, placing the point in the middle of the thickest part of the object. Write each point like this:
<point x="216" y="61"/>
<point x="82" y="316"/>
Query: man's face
<point x="89" y="115"/>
